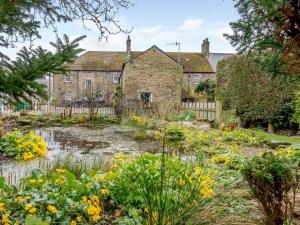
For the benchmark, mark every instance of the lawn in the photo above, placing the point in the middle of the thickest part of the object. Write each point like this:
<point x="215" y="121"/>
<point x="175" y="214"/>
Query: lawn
<point x="281" y="138"/>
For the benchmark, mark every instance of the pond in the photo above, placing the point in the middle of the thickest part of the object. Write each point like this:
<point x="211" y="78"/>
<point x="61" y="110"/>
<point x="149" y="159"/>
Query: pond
<point x="77" y="144"/>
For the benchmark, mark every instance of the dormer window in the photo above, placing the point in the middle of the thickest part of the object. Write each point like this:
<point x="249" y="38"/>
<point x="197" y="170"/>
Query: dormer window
<point x="67" y="77"/>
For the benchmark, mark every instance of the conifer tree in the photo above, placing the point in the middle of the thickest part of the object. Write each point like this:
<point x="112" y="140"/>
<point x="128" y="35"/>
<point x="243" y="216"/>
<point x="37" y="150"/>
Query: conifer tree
<point x="271" y="27"/>
<point x="20" y="21"/>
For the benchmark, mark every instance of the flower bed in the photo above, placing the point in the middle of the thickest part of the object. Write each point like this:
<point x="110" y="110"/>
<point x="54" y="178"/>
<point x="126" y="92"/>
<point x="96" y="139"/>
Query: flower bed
<point x="22" y="146"/>
<point x="132" y="189"/>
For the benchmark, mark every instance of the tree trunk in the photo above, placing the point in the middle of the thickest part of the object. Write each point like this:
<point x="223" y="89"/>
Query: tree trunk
<point x="271" y="128"/>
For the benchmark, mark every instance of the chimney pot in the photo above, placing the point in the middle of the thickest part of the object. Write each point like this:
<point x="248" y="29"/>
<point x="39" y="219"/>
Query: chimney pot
<point x="205" y="47"/>
<point x="128" y="46"/>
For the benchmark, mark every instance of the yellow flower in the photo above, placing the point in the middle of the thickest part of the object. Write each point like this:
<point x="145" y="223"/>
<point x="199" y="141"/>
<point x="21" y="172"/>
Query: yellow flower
<point x="197" y="170"/>
<point x="119" y="156"/>
<point x="206" y="181"/>
<point x="93" y="210"/>
<point x="28" y="206"/>
<point x="146" y="210"/>
<point x="100" y="178"/>
<point x="182" y="182"/>
<point x="89" y="185"/>
<point x="32" y="181"/>
<point x="17" y="222"/>
<point x="95" y="199"/>
<point x="206" y="192"/>
<point x="78" y="218"/>
<point x="2" y="206"/>
<point x="27" y="197"/>
<point x="84" y="199"/>
<point x="27" y="156"/>
<point x="96" y="217"/>
<point x="40" y="180"/>
<point x="73" y="222"/>
<point x="115" y="166"/>
<point x="5" y="218"/>
<point x="104" y="191"/>
<point x="52" y="209"/>
<point x="60" y="170"/>
<point x="32" y="210"/>
<point x="19" y="200"/>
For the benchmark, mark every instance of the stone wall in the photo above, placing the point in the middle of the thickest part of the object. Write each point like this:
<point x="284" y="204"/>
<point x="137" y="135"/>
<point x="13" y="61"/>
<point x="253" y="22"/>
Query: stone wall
<point x="76" y="87"/>
<point x="154" y="72"/>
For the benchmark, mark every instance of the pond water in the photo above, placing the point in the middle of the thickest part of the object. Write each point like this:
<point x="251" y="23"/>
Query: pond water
<point x="75" y="143"/>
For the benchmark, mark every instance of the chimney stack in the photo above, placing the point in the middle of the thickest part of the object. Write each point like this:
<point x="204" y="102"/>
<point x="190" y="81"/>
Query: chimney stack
<point x="205" y="47"/>
<point x="128" y="46"/>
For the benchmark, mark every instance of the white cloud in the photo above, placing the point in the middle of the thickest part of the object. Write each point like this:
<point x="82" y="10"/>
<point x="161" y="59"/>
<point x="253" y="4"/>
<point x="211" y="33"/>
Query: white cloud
<point x="189" y="33"/>
<point x="148" y="32"/>
<point x="191" y="25"/>
<point x="221" y="30"/>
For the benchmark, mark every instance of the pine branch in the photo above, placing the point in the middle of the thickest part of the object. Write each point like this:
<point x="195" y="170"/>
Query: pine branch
<point x="18" y="77"/>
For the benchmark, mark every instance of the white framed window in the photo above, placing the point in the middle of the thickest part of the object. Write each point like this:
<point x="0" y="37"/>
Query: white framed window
<point x="146" y="96"/>
<point x="67" y="77"/>
<point x="88" y="85"/>
<point x="68" y="96"/>
<point x="196" y="79"/>
<point x="115" y="78"/>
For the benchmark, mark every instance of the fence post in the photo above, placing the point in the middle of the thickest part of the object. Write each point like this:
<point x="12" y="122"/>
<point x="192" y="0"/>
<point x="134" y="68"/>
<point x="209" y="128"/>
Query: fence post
<point x="218" y="113"/>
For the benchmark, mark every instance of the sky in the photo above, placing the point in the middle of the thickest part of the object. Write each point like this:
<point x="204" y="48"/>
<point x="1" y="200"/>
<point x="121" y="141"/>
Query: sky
<point x="157" y="22"/>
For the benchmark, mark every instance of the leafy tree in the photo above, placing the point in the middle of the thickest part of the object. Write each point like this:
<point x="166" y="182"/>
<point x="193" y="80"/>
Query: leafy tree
<point x="272" y="28"/>
<point x="20" y="21"/>
<point x="296" y="115"/>
<point x="207" y="86"/>
<point x="252" y="93"/>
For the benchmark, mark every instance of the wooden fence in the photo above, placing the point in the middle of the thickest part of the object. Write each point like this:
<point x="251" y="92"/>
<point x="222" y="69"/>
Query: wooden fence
<point x="202" y="110"/>
<point x="52" y="109"/>
<point x="139" y="108"/>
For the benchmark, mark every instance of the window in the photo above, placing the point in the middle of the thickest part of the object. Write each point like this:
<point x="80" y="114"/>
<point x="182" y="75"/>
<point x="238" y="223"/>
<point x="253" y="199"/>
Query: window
<point x="116" y="78"/>
<point x="196" y="79"/>
<point x="67" y="77"/>
<point x="146" y="97"/>
<point x="88" y="85"/>
<point x="67" y="96"/>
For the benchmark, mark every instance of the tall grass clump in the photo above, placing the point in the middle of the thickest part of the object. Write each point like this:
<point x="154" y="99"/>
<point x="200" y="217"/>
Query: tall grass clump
<point x="162" y="189"/>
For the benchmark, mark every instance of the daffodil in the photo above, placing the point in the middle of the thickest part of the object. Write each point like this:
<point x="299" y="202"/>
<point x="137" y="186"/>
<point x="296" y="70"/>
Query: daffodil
<point x="33" y="210"/>
<point x="52" y="209"/>
<point x="28" y="206"/>
<point x="20" y="200"/>
<point x="5" y="218"/>
<point x="104" y="191"/>
<point x="2" y="206"/>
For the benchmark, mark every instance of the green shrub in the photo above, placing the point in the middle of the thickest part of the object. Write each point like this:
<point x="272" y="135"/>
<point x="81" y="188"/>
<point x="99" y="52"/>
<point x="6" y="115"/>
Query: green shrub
<point x="296" y="116"/>
<point x="242" y="136"/>
<point x="22" y="146"/>
<point x="186" y="116"/>
<point x="57" y="198"/>
<point x="172" y="135"/>
<point x="271" y="179"/>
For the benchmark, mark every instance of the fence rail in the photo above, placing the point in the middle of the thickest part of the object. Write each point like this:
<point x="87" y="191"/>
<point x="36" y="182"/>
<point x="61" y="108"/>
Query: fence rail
<point x="52" y="109"/>
<point x="202" y="110"/>
<point x="199" y="105"/>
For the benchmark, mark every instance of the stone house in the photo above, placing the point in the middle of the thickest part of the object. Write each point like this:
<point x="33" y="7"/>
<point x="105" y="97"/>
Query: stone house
<point x="152" y="75"/>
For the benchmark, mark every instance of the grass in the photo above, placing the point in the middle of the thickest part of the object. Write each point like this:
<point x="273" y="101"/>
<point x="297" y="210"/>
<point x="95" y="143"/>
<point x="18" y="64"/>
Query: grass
<point x="281" y="138"/>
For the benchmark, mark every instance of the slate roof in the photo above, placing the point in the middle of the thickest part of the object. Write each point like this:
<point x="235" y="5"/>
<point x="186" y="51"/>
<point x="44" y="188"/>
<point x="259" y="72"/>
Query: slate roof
<point x="214" y="58"/>
<point x="113" y="61"/>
